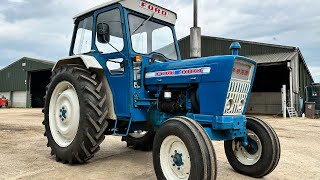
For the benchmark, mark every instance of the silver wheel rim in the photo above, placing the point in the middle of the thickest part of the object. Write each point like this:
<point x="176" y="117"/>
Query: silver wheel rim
<point x="64" y="114"/>
<point x="138" y="134"/>
<point x="243" y="155"/>
<point x="175" y="159"/>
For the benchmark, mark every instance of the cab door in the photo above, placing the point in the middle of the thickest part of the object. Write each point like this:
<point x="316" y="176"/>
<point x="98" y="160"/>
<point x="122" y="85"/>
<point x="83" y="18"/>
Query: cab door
<point x="113" y="57"/>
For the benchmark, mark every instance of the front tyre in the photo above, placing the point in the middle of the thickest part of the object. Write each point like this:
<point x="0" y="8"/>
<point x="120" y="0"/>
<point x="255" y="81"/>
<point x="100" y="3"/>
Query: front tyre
<point x="182" y="150"/>
<point x="74" y="114"/>
<point x="262" y="154"/>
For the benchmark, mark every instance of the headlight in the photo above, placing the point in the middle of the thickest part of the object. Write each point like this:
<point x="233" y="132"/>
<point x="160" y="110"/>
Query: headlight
<point x="241" y="104"/>
<point x="229" y="104"/>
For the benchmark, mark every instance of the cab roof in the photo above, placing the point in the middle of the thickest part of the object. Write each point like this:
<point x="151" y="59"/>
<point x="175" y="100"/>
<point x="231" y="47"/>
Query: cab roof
<point x="140" y="6"/>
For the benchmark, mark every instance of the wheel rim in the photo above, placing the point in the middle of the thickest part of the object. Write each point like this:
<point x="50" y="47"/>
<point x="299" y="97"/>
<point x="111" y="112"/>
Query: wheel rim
<point x="138" y="134"/>
<point x="174" y="158"/>
<point x="64" y="114"/>
<point x="252" y="153"/>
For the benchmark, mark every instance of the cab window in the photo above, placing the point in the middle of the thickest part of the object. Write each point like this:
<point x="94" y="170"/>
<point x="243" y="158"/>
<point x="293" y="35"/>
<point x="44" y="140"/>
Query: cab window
<point x="113" y="19"/>
<point x="83" y="40"/>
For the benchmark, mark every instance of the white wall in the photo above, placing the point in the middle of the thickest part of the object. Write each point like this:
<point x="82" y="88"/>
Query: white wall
<point x="19" y="99"/>
<point x="264" y="103"/>
<point x="5" y="94"/>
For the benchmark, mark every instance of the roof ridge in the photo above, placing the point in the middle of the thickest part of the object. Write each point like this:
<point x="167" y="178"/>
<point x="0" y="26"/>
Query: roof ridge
<point x="29" y="59"/>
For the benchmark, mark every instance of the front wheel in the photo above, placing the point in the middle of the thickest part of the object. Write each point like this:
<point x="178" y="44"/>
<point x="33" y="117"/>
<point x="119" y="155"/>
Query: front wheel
<point x="182" y="150"/>
<point x="262" y="154"/>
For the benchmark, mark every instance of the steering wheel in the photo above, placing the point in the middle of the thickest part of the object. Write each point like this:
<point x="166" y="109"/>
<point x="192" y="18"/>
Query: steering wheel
<point x="159" y="57"/>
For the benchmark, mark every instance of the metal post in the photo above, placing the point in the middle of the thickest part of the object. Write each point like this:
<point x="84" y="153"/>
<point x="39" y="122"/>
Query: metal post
<point x="195" y="34"/>
<point x="284" y="101"/>
<point x="291" y="84"/>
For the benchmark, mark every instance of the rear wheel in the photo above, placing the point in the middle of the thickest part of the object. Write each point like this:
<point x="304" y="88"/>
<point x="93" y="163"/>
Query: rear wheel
<point x="74" y="114"/>
<point x="262" y="154"/>
<point x="183" y="150"/>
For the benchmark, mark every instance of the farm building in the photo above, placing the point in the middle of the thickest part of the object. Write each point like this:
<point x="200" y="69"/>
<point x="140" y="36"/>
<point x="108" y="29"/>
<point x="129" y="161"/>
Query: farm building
<point x="23" y="82"/>
<point x="277" y="65"/>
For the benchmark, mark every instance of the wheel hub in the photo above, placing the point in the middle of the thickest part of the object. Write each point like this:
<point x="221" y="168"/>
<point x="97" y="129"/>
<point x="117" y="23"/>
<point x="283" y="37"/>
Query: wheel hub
<point x="63" y="113"/>
<point x="177" y="159"/>
<point x="252" y="147"/>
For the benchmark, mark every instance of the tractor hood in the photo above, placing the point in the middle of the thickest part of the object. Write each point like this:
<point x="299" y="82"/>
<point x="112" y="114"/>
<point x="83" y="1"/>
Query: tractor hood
<point x="207" y="69"/>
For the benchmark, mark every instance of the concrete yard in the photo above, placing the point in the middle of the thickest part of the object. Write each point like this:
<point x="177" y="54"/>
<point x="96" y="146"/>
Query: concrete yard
<point x="24" y="154"/>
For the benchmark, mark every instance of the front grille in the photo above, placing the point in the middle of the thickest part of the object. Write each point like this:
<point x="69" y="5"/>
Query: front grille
<point x="239" y="87"/>
<point x="238" y="90"/>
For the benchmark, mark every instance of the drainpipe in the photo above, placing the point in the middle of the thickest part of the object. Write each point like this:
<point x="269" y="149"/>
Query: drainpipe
<point x="195" y="34"/>
<point x="284" y="101"/>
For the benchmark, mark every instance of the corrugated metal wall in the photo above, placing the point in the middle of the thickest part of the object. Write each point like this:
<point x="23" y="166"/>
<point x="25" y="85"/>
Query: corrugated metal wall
<point x="13" y="77"/>
<point x="212" y="46"/>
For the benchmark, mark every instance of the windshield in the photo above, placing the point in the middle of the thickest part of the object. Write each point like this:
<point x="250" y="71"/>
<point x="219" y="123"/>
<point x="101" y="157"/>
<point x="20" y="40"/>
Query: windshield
<point x="151" y="37"/>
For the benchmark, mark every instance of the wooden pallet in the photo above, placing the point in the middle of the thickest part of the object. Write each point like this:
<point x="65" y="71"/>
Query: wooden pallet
<point x="292" y="112"/>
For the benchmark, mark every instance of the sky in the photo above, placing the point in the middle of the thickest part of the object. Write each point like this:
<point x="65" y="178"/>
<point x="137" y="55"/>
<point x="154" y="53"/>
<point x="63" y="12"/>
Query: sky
<point x="43" y="29"/>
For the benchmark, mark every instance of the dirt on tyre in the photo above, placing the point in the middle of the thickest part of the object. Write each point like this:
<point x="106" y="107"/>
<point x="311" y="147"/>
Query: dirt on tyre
<point x="183" y="150"/>
<point x="74" y="114"/>
<point x="140" y="140"/>
<point x="262" y="154"/>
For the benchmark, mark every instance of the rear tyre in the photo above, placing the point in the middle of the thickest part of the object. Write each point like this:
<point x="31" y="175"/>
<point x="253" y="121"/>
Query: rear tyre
<point x="183" y="150"/>
<point x="140" y="140"/>
<point x="74" y="114"/>
<point x="262" y="154"/>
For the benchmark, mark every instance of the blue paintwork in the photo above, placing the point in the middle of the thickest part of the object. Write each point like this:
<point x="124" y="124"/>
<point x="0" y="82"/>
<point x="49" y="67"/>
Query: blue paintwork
<point x="138" y="106"/>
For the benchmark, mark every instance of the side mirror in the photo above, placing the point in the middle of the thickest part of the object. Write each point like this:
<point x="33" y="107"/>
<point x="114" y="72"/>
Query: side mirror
<point x="103" y="33"/>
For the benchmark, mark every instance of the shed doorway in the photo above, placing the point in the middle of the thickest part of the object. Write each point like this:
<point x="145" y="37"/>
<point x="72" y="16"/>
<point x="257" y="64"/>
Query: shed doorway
<point x="38" y="82"/>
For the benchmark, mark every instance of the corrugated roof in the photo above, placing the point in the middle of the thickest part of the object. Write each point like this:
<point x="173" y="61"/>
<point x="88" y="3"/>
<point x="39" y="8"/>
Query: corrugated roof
<point x="44" y="64"/>
<point x="273" y="58"/>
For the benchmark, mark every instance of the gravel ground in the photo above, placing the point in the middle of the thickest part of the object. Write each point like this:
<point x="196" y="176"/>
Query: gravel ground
<point x="24" y="154"/>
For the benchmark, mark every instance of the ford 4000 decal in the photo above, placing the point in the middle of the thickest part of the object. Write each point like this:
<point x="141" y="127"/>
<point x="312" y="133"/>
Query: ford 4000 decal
<point x="179" y="72"/>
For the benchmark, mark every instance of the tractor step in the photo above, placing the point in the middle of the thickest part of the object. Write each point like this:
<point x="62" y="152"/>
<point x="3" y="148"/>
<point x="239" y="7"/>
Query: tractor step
<point x="122" y="124"/>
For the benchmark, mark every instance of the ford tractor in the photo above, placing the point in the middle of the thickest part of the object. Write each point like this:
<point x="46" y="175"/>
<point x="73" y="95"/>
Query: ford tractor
<point x="124" y="77"/>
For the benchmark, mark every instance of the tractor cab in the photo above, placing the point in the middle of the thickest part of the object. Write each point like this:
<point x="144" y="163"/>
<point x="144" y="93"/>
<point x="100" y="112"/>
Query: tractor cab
<point x="123" y="36"/>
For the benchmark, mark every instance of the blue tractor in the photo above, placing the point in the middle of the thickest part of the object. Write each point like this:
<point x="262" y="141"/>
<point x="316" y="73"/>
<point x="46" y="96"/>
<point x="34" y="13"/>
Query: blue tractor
<point x="125" y="77"/>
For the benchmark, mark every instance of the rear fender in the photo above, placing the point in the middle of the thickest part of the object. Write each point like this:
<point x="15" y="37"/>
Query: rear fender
<point x="91" y="63"/>
<point x="88" y="61"/>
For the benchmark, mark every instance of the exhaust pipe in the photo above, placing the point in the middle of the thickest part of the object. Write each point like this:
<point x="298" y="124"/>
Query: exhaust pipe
<point x="195" y="34"/>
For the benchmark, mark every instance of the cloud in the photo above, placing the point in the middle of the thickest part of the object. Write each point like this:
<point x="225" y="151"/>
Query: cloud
<point x="43" y="29"/>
